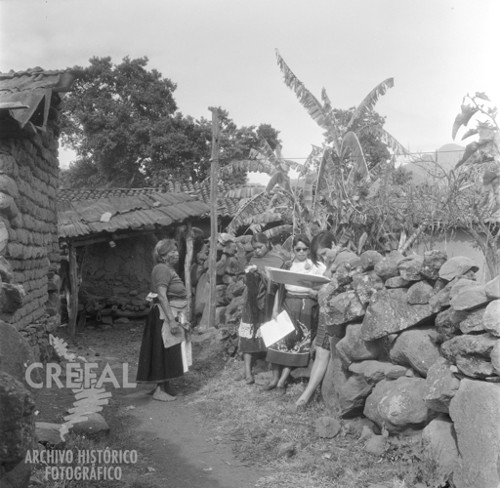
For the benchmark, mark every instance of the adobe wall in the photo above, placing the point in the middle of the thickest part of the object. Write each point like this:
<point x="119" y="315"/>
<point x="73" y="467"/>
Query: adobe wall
<point x="28" y="228"/>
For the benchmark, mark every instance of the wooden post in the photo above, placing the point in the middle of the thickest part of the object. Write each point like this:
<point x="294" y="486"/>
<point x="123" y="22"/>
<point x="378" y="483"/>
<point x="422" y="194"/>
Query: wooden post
<point x="187" y="270"/>
<point x="212" y="257"/>
<point x="72" y="302"/>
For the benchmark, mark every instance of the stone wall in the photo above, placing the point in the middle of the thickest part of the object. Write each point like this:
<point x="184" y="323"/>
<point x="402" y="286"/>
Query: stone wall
<point x="416" y="349"/>
<point x="117" y="279"/>
<point x="28" y="263"/>
<point x="28" y="219"/>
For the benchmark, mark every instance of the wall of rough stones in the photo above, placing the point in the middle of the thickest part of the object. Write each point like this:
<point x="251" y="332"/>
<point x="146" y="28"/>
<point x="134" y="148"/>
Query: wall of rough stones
<point x="29" y="286"/>
<point x="416" y="350"/>
<point x="116" y="280"/>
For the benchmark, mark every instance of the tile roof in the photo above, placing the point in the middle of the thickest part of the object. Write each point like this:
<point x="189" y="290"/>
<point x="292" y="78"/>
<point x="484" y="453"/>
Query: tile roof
<point x="128" y="210"/>
<point x="22" y="93"/>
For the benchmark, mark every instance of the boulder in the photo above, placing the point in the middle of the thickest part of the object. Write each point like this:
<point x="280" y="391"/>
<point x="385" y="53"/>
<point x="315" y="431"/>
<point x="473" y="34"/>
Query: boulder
<point x="491" y="319"/>
<point x="460" y="283"/>
<point x="473" y="321"/>
<point x="440" y="299"/>
<point x="365" y="285"/>
<point x="433" y="260"/>
<point x="369" y="259"/>
<point x="410" y="267"/>
<point x="376" y="445"/>
<point x="441" y="386"/>
<point x="441" y="447"/>
<point x="374" y="371"/>
<point x="344" y="308"/>
<point x="492" y="288"/>
<point x="445" y="325"/>
<point x="495" y="358"/>
<point x="346" y="258"/>
<point x="476" y="416"/>
<point x="93" y="425"/>
<point x="49" y="433"/>
<point x="388" y="267"/>
<point x="389" y="312"/>
<point x="16" y="419"/>
<point x="398" y="405"/>
<point x="352" y="347"/>
<point x="457" y="266"/>
<point x="327" y="427"/>
<point x="469" y="297"/>
<point x="471" y="354"/>
<point x="397" y="282"/>
<point x="416" y="348"/>
<point x="352" y="395"/>
<point x="419" y="293"/>
<point x="235" y="289"/>
<point x="16" y="354"/>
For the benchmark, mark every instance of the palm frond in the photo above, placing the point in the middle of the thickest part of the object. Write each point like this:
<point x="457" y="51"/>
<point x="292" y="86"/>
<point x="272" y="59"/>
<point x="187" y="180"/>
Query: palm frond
<point x="360" y="169"/>
<point x="278" y="230"/>
<point x="306" y="98"/>
<point x="370" y="100"/>
<point x="333" y="123"/>
<point x="308" y="194"/>
<point x="256" y="207"/>
<point x="390" y="141"/>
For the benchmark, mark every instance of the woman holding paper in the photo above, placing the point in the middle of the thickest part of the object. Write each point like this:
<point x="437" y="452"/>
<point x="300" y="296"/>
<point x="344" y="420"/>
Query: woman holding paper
<point x="323" y="250"/>
<point x="165" y="348"/>
<point x="258" y="301"/>
<point x="300" y="304"/>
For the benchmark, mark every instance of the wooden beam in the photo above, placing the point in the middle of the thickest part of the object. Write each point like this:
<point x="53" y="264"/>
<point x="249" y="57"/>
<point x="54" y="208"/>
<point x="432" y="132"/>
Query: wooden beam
<point x="72" y="302"/>
<point x="214" y="177"/>
<point x="187" y="270"/>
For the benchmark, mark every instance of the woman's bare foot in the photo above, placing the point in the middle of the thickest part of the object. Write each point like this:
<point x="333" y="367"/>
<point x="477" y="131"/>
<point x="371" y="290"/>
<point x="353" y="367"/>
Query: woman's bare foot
<point x="250" y="380"/>
<point x="163" y="396"/>
<point x="270" y="386"/>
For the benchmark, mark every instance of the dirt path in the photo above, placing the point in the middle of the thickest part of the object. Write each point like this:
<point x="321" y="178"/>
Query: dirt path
<point x="174" y="441"/>
<point x="183" y="451"/>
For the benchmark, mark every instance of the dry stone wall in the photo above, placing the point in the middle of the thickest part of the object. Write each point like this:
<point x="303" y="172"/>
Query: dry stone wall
<point x="28" y="220"/>
<point x="28" y="246"/>
<point x="416" y="349"/>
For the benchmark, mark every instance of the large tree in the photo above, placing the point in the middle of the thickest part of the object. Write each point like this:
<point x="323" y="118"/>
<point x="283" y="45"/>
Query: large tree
<point x="122" y="122"/>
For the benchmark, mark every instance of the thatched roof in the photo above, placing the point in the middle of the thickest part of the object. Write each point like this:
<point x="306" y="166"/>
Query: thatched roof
<point x="89" y="212"/>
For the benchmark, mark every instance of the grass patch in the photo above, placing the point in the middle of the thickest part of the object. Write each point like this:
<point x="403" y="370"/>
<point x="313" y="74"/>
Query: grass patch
<point x="266" y="431"/>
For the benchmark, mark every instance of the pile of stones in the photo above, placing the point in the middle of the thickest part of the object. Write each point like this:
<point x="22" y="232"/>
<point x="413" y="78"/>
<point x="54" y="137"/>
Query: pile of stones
<point x="415" y="346"/>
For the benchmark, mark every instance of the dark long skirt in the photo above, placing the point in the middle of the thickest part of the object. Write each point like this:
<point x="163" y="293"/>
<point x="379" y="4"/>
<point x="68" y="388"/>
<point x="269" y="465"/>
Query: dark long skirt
<point x="293" y="350"/>
<point x="157" y="364"/>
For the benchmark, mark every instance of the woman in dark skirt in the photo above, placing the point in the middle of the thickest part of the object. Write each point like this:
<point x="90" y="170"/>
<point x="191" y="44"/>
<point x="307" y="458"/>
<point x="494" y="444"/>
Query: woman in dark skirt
<point x="161" y="355"/>
<point x="302" y="307"/>
<point x="258" y="301"/>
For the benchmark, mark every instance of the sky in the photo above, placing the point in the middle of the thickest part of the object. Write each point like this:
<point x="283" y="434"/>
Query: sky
<point x="222" y="53"/>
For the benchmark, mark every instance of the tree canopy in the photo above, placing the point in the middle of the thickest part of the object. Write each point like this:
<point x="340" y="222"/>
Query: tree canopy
<point x="124" y="125"/>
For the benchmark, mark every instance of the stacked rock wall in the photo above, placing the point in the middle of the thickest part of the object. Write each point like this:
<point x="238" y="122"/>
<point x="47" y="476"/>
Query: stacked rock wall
<point x="232" y="257"/>
<point x="28" y="219"/>
<point x="416" y="348"/>
<point x="28" y="245"/>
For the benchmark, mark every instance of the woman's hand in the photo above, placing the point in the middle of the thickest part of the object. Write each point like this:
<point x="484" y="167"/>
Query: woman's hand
<point x="175" y="328"/>
<point x="313" y="293"/>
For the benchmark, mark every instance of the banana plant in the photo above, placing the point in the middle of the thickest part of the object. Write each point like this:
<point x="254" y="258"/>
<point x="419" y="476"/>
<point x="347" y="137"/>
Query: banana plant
<point x="344" y="139"/>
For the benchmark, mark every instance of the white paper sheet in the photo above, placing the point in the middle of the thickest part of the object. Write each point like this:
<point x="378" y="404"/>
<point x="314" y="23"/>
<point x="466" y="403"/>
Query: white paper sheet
<point x="275" y="330"/>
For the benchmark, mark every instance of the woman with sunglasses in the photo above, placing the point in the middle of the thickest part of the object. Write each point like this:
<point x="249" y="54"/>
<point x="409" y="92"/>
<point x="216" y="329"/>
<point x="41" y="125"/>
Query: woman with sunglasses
<point x="293" y="351"/>
<point x="323" y="250"/>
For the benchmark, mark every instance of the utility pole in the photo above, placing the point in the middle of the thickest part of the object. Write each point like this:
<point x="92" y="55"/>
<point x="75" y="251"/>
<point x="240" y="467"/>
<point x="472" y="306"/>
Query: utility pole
<point x="214" y="178"/>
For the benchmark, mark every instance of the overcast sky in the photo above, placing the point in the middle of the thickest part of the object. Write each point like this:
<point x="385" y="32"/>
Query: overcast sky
<point x="222" y="53"/>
